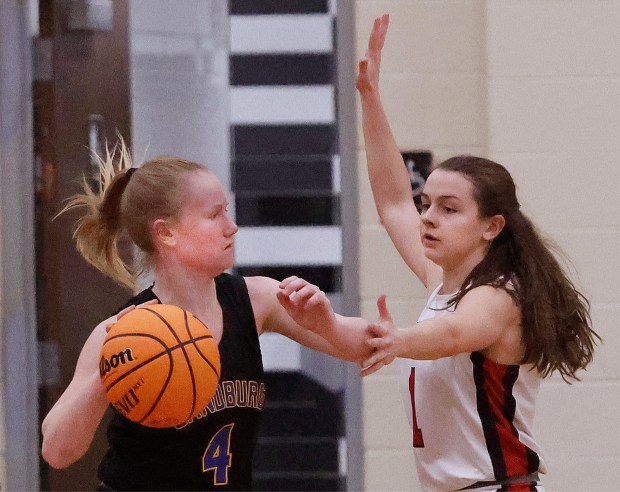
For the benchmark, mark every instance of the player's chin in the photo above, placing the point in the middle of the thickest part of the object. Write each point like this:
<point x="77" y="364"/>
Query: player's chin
<point x="435" y="255"/>
<point x="227" y="257"/>
<point x="229" y="263"/>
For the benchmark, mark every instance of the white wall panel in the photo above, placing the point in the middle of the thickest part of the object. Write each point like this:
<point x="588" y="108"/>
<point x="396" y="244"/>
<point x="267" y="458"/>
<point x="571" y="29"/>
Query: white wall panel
<point x="316" y="245"/>
<point x="310" y="33"/>
<point x="269" y="105"/>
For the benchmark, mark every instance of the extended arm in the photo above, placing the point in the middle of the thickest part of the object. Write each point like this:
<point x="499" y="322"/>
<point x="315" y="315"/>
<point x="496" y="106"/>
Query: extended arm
<point x="70" y="425"/>
<point x="302" y="312"/>
<point x="486" y="320"/>
<point x="389" y="180"/>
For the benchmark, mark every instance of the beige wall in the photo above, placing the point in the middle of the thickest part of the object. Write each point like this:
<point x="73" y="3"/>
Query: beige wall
<point x="535" y="85"/>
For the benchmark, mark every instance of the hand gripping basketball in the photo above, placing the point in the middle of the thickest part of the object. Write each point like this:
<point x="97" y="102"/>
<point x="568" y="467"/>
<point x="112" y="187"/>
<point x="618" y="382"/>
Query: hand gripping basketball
<point x="160" y="365"/>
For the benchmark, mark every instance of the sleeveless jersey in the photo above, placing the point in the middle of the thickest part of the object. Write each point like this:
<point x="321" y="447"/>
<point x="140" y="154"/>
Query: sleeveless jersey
<point x="471" y="417"/>
<point x="214" y="450"/>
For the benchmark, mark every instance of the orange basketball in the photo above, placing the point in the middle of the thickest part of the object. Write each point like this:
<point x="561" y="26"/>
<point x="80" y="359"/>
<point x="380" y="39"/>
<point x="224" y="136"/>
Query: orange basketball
<point x="160" y="365"/>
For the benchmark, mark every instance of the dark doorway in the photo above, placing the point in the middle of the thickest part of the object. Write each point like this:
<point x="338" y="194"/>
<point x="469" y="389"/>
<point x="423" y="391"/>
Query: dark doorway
<point x="81" y="99"/>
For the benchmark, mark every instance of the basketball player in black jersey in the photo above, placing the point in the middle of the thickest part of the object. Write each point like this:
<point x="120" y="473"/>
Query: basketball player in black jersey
<point x="175" y="211"/>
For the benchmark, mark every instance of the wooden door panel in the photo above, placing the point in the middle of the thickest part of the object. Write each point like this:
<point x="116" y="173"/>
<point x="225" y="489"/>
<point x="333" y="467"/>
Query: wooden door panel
<point x="90" y="76"/>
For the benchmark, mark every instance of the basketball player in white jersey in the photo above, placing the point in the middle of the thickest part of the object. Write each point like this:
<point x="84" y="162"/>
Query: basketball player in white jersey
<point x="501" y="313"/>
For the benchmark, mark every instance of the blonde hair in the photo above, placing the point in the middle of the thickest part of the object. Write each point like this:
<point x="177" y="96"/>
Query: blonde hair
<point x="126" y="203"/>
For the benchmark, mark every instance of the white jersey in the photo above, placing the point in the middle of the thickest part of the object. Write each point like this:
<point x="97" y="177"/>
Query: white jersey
<point x="471" y="417"/>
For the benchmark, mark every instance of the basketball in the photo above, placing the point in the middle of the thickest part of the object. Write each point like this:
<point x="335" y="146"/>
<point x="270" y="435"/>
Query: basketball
<point x="160" y="365"/>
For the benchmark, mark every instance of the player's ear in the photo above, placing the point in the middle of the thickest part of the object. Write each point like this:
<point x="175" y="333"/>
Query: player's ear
<point x="163" y="233"/>
<point x="495" y="225"/>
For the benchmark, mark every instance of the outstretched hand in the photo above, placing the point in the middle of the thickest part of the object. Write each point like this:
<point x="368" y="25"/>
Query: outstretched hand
<point x="306" y="304"/>
<point x="369" y="66"/>
<point x="385" y="340"/>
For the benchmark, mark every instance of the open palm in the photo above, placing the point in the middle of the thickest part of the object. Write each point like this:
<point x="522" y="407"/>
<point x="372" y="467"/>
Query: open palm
<point x="369" y="66"/>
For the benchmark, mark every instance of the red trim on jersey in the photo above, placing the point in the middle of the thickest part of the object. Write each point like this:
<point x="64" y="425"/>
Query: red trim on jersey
<point x="496" y="408"/>
<point x="418" y="440"/>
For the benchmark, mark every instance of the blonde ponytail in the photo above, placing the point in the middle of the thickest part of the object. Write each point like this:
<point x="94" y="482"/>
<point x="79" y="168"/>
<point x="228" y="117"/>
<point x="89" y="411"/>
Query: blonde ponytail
<point x="98" y="230"/>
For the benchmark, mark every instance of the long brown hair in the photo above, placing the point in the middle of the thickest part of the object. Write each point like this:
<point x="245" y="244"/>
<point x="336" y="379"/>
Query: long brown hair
<point x="557" y="331"/>
<point x="126" y="203"/>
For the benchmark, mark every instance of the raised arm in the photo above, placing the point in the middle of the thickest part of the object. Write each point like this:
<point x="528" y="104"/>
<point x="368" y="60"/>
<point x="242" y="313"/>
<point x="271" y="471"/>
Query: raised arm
<point x="388" y="175"/>
<point x="301" y="311"/>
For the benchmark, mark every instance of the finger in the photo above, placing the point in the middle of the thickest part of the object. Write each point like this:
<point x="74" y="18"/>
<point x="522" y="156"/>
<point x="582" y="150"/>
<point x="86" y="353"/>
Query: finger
<point x="148" y="303"/>
<point x="367" y="371"/>
<point x="378" y="33"/>
<point x="287" y="281"/>
<point x="377" y="343"/>
<point x="294" y="285"/>
<point x="281" y="296"/>
<point x="284" y="300"/>
<point x="124" y="312"/>
<point x="318" y="299"/>
<point x="370" y="370"/>
<point x="363" y="66"/>
<point x="376" y="356"/>
<point x="383" y="28"/>
<point x="381" y="24"/>
<point x="299" y="298"/>
<point x="375" y="330"/>
<point x="114" y="320"/>
<point x="304" y="294"/>
<point x="384" y="314"/>
<point x="372" y="40"/>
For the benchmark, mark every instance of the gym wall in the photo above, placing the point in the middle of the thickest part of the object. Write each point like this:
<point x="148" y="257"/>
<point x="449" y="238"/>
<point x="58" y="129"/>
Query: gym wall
<point x="535" y="85"/>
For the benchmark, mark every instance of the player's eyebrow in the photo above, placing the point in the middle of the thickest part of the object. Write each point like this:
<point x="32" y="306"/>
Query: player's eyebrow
<point x="441" y="197"/>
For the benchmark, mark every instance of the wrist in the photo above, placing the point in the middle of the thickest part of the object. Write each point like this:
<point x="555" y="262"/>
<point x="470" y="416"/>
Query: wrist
<point x="400" y="342"/>
<point x="370" y="94"/>
<point x="332" y="324"/>
<point x="97" y="389"/>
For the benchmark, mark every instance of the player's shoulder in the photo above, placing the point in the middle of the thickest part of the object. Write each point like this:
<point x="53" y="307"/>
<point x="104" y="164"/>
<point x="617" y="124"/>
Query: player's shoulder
<point x="489" y="294"/>
<point x="491" y="300"/>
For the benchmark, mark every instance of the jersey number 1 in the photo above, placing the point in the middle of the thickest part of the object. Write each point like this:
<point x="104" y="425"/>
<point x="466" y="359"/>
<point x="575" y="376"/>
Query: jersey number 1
<point x="418" y="440"/>
<point x="217" y="455"/>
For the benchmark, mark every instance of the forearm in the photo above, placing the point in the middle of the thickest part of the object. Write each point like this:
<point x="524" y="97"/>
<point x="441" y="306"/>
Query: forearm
<point x="341" y="337"/>
<point x="485" y="317"/>
<point x="428" y="340"/>
<point x="348" y="335"/>
<point x="69" y="427"/>
<point x="388" y="175"/>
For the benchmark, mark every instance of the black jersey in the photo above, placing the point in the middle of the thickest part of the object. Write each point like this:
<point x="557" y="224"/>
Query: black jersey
<point x="214" y="450"/>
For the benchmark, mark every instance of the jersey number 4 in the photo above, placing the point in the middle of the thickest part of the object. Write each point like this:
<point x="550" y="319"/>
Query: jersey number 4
<point x="217" y="456"/>
<point x="418" y="440"/>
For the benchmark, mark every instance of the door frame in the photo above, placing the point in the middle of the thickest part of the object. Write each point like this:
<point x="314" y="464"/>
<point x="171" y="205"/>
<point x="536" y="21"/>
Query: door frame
<point x="347" y="131"/>
<point x="17" y="276"/>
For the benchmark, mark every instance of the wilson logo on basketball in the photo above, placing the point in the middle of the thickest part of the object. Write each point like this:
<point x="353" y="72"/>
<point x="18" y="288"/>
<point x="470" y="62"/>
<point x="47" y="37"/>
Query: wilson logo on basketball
<point x="105" y="365"/>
